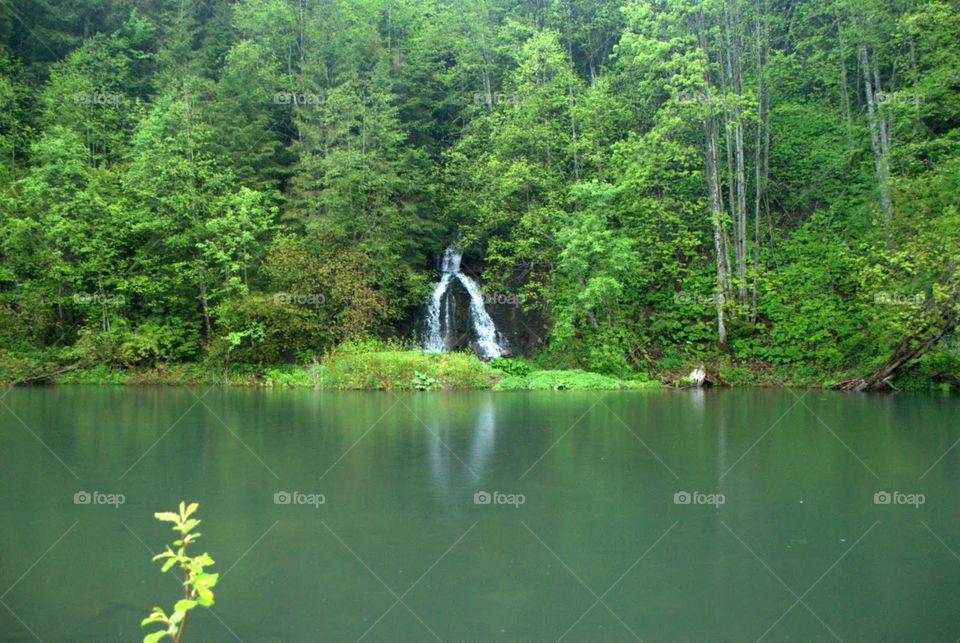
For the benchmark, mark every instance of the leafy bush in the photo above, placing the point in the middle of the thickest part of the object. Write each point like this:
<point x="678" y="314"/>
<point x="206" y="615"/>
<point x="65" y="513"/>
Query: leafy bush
<point x="404" y="370"/>
<point x="512" y="366"/>
<point x="423" y="382"/>
<point x="257" y="328"/>
<point x="737" y="376"/>
<point x="99" y="374"/>
<point x="292" y="375"/>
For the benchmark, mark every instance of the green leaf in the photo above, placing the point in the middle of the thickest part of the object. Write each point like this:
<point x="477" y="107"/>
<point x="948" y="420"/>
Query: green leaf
<point x="157" y="616"/>
<point x="156" y="636"/>
<point x="203" y="560"/>
<point x="204" y="596"/>
<point x="184" y="605"/>
<point x="207" y="580"/>
<point x="167" y="516"/>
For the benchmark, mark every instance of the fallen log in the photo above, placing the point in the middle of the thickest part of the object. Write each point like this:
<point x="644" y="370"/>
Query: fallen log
<point x="43" y="377"/>
<point x="907" y="353"/>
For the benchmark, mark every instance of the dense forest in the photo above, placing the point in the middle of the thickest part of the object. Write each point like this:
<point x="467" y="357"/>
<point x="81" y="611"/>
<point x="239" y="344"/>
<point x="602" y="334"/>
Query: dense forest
<point x="772" y="185"/>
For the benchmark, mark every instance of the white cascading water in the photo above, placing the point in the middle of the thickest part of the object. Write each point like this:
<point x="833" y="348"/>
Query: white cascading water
<point x="439" y="331"/>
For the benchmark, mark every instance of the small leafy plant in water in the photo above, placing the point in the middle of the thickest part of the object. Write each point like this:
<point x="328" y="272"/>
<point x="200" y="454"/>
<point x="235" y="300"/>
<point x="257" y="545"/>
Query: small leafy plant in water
<point x="197" y="582"/>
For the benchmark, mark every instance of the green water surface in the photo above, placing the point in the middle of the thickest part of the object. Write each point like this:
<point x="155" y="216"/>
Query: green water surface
<point x="587" y="536"/>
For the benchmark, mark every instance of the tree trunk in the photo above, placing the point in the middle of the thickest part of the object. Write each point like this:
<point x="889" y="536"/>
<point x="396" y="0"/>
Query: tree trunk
<point x="844" y="90"/>
<point x="878" y="137"/>
<point x="757" y="162"/>
<point x="205" y="309"/>
<point x="884" y="376"/>
<point x="573" y="121"/>
<point x="711" y="154"/>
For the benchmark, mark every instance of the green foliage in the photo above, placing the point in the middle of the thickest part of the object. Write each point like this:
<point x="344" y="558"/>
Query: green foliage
<point x="198" y="583"/>
<point x="99" y="374"/>
<point x="568" y="380"/>
<point x="423" y="382"/>
<point x="247" y="185"/>
<point x="737" y="376"/>
<point x="263" y="329"/>
<point x="513" y="366"/>
<point x="293" y="376"/>
<point x="405" y="370"/>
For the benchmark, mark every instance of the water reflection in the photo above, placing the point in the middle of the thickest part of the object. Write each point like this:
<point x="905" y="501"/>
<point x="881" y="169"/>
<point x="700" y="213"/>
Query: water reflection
<point x="484" y="434"/>
<point x="453" y="477"/>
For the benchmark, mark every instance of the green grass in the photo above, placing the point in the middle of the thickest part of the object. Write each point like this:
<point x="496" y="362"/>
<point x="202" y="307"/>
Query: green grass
<point x="568" y="380"/>
<point x="366" y="369"/>
<point x="100" y="374"/>
<point x="406" y="370"/>
<point x="385" y="366"/>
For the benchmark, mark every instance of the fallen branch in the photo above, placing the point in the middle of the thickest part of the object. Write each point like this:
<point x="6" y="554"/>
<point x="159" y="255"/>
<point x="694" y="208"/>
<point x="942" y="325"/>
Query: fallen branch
<point x="907" y="353"/>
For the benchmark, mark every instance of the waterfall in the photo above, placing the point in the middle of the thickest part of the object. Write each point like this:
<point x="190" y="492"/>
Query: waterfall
<point x="440" y="318"/>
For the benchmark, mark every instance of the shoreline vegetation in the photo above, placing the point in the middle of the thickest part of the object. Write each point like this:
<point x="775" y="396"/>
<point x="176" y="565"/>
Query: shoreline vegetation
<point x="406" y="369"/>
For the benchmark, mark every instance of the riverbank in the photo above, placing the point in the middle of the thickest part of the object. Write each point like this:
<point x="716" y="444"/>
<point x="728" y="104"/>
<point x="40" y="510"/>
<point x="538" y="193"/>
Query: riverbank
<point x="391" y="370"/>
<point x="400" y="369"/>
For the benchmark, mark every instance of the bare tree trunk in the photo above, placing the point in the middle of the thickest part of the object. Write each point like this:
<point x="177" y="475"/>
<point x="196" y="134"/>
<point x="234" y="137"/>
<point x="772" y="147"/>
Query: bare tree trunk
<point x="877" y="136"/>
<point x="757" y="161"/>
<point x="735" y="152"/>
<point x="206" y="310"/>
<point x="731" y="182"/>
<point x="711" y="145"/>
<point x="484" y="71"/>
<point x="573" y="121"/>
<point x="766" y="170"/>
<point x="916" y="80"/>
<point x="844" y="87"/>
<point x="737" y="69"/>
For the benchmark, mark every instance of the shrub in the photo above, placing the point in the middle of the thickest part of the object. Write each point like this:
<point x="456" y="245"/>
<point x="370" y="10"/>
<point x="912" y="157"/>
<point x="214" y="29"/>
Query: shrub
<point x="512" y="366"/>
<point x="405" y="370"/>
